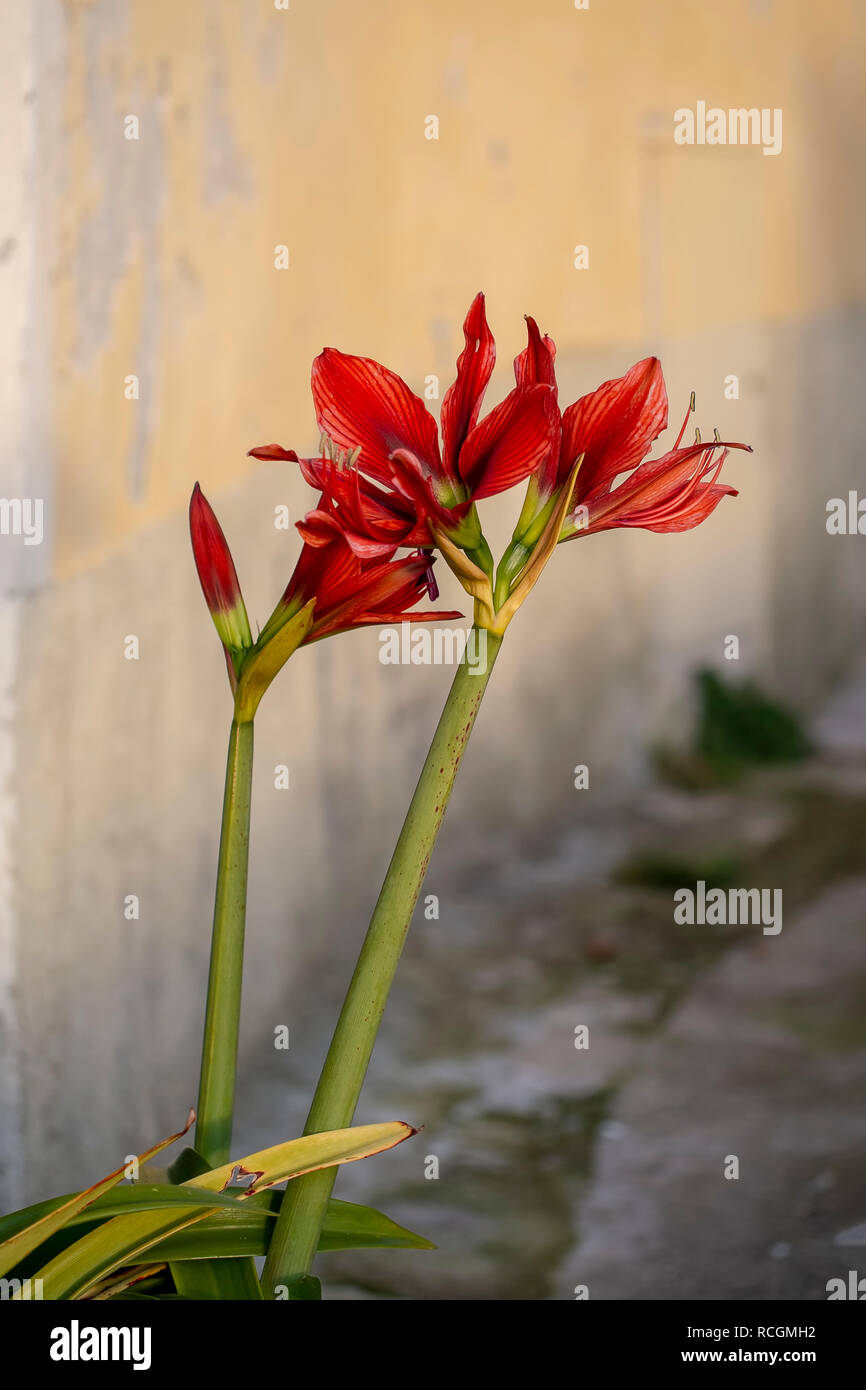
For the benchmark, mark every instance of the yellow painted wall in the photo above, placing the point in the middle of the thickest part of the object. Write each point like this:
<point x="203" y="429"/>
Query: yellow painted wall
<point x="260" y="126"/>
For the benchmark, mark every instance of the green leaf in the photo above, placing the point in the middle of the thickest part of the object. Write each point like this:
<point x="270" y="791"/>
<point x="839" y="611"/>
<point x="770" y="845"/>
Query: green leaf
<point x="126" y="1239"/>
<point x="248" y="1232"/>
<point x="188" y="1164"/>
<point x="153" y="1281"/>
<point x="17" y="1246"/>
<point x="234" y="1278"/>
<point x="224" y="1280"/>
<point x="149" y="1279"/>
<point x="305" y="1289"/>
<point x="121" y="1201"/>
<point x="311" y="1152"/>
<point x="130" y="1297"/>
<point x="237" y="1228"/>
<point x="121" y="1241"/>
<point x="349" y="1226"/>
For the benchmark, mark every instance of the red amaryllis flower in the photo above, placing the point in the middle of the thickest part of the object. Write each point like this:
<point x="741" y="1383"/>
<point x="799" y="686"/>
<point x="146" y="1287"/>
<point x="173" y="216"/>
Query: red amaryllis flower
<point x="387" y="475"/>
<point x="673" y="493"/>
<point x="217" y="574"/>
<point x="350" y="592"/>
<point x="613" y="429"/>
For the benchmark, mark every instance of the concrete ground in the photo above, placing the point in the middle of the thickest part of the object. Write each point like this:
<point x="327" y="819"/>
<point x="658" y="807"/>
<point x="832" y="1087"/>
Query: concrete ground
<point x="711" y="1050"/>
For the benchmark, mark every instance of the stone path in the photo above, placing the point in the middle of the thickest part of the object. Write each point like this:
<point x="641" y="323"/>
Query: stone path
<point x="605" y="1166"/>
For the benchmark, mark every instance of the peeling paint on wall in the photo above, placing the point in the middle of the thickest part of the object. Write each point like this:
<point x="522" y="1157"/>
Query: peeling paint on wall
<point x="154" y="258"/>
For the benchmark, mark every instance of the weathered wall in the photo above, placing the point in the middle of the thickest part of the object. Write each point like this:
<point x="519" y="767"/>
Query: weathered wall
<point x="155" y="257"/>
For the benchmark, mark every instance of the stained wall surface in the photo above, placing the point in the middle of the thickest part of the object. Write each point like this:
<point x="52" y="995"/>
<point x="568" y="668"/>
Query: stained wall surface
<point x="154" y="258"/>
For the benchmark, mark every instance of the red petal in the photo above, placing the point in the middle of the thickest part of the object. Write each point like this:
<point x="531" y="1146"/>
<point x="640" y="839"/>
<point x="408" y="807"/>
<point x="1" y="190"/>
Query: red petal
<point x="401" y="616"/>
<point x="351" y="592"/>
<point x="391" y="587"/>
<point x="360" y="403"/>
<point x="650" y="483"/>
<point x="273" y="451"/>
<point x="614" y="426"/>
<point x="409" y="479"/>
<point x="511" y="441"/>
<point x="535" y="362"/>
<point x="364" y="547"/>
<point x="462" y="400"/>
<point x="318" y="527"/>
<point x="659" y="479"/>
<point x="700" y="505"/>
<point x="324" y="572"/>
<point x="663" y="493"/>
<point x="373" y="521"/>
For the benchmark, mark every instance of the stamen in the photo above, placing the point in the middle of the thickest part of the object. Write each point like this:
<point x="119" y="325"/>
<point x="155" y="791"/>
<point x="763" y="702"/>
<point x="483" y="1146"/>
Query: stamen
<point x="343" y="458"/>
<point x="429" y="577"/>
<point x="689" y="412"/>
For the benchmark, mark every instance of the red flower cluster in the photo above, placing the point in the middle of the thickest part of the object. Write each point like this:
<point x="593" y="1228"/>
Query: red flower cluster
<point x="387" y="482"/>
<point x="387" y="476"/>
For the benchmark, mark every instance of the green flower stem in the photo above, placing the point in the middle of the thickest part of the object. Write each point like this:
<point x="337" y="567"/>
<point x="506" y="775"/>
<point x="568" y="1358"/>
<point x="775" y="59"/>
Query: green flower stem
<point x="297" y="1231"/>
<point x="220" y="1044"/>
<point x="510" y="566"/>
<point x="482" y="556"/>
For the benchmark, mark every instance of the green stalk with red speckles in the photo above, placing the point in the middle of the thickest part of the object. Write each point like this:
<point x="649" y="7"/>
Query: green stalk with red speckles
<point x="296" y="1236"/>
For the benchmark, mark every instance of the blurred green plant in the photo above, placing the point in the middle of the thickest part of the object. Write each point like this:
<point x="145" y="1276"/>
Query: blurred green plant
<point x="654" y="869"/>
<point x="738" y="727"/>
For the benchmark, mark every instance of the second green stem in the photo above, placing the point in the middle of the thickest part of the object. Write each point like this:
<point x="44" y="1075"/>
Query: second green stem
<point x="299" y="1225"/>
